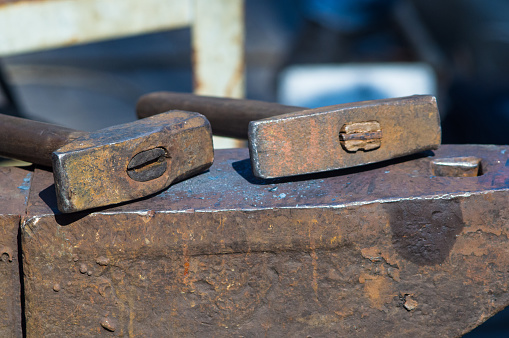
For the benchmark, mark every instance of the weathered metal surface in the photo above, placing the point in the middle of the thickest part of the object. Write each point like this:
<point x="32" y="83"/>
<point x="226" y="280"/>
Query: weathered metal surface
<point x="94" y="170"/>
<point x="390" y="251"/>
<point x="309" y="141"/>
<point x="457" y="166"/>
<point x="290" y="141"/>
<point x="15" y="183"/>
<point x="111" y="165"/>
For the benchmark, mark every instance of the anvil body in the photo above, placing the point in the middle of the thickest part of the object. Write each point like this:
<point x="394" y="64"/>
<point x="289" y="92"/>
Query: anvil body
<point x="383" y="250"/>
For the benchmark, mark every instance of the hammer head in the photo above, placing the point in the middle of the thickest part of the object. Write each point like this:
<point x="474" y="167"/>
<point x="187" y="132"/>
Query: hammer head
<point x="343" y="136"/>
<point x="131" y="160"/>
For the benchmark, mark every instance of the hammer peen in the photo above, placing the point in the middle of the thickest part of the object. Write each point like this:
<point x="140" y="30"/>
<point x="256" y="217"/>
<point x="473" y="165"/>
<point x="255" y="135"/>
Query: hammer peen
<point x="288" y="141"/>
<point x="114" y="164"/>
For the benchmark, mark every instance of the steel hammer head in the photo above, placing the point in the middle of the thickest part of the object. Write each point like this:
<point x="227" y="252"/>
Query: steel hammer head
<point x="343" y="136"/>
<point x="131" y="160"/>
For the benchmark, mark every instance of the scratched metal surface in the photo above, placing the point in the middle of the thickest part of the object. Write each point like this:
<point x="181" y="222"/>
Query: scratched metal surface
<point x="15" y="183"/>
<point x="390" y="251"/>
<point x="230" y="185"/>
<point x="91" y="170"/>
<point x="309" y="141"/>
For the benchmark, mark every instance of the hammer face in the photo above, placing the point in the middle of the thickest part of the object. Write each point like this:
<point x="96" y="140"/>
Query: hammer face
<point x="343" y="136"/>
<point x="132" y="160"/>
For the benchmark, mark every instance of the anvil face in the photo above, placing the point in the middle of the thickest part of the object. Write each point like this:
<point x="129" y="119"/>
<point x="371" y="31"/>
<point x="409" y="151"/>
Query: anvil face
<point x="132" y="160"/>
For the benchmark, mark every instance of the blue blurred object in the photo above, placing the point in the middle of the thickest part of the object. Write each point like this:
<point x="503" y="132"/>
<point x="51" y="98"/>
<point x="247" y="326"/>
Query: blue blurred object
<point x="345" y="16"/>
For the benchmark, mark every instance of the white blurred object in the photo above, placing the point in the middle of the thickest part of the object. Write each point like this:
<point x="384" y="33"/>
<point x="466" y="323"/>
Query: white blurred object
<point x="323" y="85"/>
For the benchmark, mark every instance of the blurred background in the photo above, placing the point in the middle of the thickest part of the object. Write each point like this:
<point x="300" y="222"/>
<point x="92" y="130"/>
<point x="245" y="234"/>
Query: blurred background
<point x="300" y="52"/>
<point x="306" y="52"/>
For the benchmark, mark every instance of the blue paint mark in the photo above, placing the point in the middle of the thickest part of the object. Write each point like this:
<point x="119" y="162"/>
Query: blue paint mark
<point x="503" y="151"/>
<point x="25" y="187"/>
<point x="26" y="182"/>
<point x="507" y="163"/>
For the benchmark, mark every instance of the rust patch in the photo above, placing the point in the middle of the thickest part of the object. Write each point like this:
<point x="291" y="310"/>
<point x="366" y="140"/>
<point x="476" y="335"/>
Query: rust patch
<point x="377" y="289"/>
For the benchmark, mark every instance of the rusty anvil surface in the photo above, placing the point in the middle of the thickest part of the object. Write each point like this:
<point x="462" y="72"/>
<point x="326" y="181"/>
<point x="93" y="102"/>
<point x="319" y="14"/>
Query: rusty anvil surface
<point x="15" y="183"/>
<point x="387" y="250"/>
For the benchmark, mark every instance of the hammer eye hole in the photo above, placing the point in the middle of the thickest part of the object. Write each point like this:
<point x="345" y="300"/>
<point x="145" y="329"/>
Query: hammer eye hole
<point x="147" y="165"/>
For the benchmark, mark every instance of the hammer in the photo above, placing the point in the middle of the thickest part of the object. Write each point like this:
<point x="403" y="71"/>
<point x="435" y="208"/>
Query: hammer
<point x="288" y="141"/>
<point x="114" y="164"/>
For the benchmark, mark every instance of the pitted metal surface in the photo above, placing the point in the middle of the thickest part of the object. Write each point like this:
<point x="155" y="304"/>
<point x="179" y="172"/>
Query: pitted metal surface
<point x="15" y="183"/>
<point x="384" y="251"/>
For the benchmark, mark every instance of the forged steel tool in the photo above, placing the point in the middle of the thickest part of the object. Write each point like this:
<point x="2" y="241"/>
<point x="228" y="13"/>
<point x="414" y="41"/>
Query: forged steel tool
<point x="303" y="141"/>
<point x="114" y="164"/>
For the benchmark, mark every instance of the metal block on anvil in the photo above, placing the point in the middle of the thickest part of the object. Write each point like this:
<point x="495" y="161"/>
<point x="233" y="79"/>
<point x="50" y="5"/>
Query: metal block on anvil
<point x="14" y="183"/>
<point x="389" y="250"/>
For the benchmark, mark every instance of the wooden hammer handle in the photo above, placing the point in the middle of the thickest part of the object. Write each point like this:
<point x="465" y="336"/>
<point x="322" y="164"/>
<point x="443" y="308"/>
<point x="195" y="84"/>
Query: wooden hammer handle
<point x="228" y="117"/>
<point x="32" y="141"/>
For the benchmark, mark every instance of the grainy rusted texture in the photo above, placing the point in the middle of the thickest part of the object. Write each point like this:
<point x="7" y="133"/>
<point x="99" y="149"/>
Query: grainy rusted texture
<point x="290" y="141"/>
<point x="309" y="141"/>
<point x="391" y="251"/>
<point x="15" y="183"/>
<point x="457" y="166"/>
<point x="92" y="171"/>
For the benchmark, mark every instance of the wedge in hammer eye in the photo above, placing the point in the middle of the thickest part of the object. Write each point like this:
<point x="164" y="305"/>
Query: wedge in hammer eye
<point x="148" y="165"/>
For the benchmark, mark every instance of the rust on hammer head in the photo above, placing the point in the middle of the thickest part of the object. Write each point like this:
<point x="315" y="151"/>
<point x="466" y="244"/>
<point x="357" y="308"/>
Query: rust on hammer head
<point x="343" y="136"/>
<point x="131" y="160"/>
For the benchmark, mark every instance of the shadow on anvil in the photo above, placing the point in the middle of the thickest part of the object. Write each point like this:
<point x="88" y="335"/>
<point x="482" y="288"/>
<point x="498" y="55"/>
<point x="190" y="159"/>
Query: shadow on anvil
<point x="48" y="196"/>
<point x="244" y="169"/>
